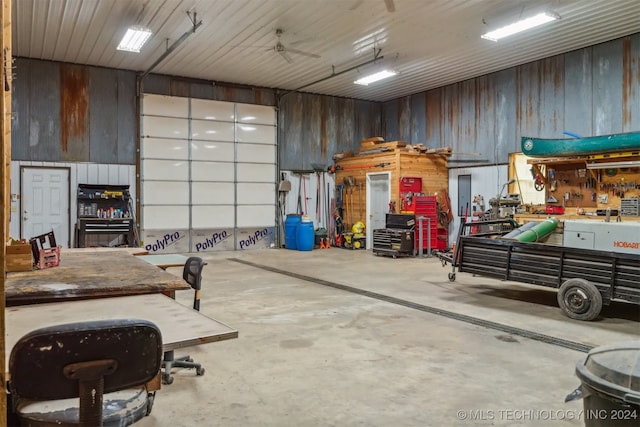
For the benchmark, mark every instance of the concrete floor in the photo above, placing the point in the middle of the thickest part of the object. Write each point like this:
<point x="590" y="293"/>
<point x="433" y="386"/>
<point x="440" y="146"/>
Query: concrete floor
<point x="313" y="355"/>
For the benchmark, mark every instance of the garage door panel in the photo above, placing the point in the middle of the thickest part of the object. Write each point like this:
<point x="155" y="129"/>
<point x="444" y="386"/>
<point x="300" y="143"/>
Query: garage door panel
<point x="251" y="172"/>
<point x="212" y="110"/>
<point x="165" y="127"/>
<point x="254" y="153"/>
<point x="212" y="216"/>
<point x="258" y="114"/>
<point x="257" y="134"/>
<point x="166" y="170"/>
<point x="255" y="193"/>
<point x="212" y="171"/>
<point x="256" y="215"/>
<point x="165" y="217"/>
<point x="166" y="193"/>
<point x="164" y="148"/>
<point x="212" y="150"/>
<point x="162" y="105"/>
<point x="212" y="131"/>
<point x="214" y="193"/>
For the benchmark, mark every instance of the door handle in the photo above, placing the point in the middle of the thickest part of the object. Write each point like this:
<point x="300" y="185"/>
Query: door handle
<point x="25" y="217"/>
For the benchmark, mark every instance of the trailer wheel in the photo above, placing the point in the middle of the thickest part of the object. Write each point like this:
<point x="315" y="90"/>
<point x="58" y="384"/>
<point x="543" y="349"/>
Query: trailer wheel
<point x="580" y="299"/>
<point x="452" y="277"/>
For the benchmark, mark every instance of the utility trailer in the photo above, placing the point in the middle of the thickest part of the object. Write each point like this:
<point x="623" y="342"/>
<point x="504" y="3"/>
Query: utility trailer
<point x="586" y="279"/>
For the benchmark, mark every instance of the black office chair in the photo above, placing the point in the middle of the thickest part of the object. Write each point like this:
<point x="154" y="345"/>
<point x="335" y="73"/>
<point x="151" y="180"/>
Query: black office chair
<point x="85" y="374"/>
<point x="192" y="274"/>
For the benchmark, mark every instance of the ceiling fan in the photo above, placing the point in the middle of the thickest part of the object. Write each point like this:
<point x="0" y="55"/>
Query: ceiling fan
<point x="284" y="51"/>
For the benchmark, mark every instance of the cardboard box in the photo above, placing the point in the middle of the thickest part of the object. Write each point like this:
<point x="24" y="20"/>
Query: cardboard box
<point x="19" y="257"/>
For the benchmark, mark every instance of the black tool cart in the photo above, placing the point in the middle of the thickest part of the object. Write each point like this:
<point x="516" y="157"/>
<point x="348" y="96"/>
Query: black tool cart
<point x="397" y="238"/>
<point x="104" y="216"/>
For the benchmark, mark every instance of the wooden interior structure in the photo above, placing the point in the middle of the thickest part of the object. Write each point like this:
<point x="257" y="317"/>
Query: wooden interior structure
<point x="401" y="161"/>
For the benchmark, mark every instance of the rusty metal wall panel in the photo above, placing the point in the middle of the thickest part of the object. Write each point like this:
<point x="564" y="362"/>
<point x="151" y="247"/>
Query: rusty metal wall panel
<point x="156" y="84"/>
<point x="451" y="114"/>
<point x="36" y="129"/>
<point x="103" y="120"/>
<point x="176" y="86"/>
<point x="404" y="119"/>
<point x="313" y="118"/>
<point x="631" y="83"/>
<point x="505" y="138"/>
<point x="418" y="114"/>
<point x="367" y="121"/>
<point x="528" y="92"/>
<point x="290" y="132"/>
<point x="607" y="88"/>
<point x="483" y="123"/>
<point x="201" y="90"/>
<point x="433" y="112"/>
<point x="127" y="117"/>
<point x="312" y="128"/>
<point x="391" y="112"/>
<point x="578" y="92"/>
<point x="551" y="114"/>
<point x="180" y="88"/>
<point x="467" y="123"/>
<point x="74" y="113"/>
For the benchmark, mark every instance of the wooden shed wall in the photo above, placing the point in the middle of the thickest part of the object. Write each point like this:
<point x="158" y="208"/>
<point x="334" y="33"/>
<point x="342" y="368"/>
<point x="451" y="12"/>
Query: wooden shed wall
<point x="432" y="168"/>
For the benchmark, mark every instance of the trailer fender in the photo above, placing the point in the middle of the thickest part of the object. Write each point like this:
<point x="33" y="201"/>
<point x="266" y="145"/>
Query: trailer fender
<point x="580" y="299"/>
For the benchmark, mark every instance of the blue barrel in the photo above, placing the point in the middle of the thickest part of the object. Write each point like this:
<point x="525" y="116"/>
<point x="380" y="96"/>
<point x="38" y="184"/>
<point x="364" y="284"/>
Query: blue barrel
<point x="290" y="230"/>
<point x="305" y="235"/>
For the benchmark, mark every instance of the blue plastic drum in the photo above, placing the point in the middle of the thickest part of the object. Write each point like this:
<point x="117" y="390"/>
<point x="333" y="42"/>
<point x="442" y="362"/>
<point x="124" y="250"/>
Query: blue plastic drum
<point x="290" y="231"/>
<point x="305" y="235"/>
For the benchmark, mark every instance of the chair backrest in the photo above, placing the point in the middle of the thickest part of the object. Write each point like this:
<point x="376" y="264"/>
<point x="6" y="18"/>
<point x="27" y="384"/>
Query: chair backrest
<point x="192" y="274"/>
<point x="52" y="363"/>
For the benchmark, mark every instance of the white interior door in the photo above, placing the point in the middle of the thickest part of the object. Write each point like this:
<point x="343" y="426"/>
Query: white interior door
<point x="45" y="203"/>
<point x="378" y="197"/>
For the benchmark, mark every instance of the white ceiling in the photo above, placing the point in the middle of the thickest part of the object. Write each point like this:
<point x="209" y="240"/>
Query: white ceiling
<point x="431" y="43"/>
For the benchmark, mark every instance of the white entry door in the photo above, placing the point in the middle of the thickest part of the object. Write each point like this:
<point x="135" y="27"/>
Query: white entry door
<point x="45" y="203"/>
<point x="378" y="197"/>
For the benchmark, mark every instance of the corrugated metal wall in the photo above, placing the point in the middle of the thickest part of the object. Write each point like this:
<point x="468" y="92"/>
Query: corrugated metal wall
<point x="65" y="112"/>
<point x="592" y="91"/>
<point x="72" y="113"/>
<point x="312" y="128"/>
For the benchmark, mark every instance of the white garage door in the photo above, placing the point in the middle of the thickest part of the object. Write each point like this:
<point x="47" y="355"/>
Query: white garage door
<point x="208" y="175"/>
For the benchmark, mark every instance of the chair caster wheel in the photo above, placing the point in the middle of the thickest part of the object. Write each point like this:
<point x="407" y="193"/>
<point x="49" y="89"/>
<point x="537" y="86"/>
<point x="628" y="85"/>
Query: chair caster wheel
<point x="167" y="379"/>
<point x="200" y="372"/>
<point x="452" y="277"/>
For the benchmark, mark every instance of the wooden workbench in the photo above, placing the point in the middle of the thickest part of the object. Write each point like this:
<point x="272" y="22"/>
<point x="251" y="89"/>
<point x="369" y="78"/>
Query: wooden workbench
<point x="180" y="325"/>
<point x="84" y="275"/>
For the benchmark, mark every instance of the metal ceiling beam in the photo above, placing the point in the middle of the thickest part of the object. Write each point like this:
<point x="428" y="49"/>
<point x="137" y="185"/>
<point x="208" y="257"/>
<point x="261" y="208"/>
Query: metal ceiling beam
<point x="175" y="45"/>
<point x="334" y="74"/>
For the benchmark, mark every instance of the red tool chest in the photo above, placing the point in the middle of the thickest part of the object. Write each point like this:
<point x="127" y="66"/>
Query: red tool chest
<point x="427" y="207"/>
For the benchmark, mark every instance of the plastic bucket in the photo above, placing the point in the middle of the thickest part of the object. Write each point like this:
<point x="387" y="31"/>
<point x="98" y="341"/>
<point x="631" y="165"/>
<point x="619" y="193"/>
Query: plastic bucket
<point x="290" y="231"/>
<point x="305" y="235"/>
<point x="610" y="378"/>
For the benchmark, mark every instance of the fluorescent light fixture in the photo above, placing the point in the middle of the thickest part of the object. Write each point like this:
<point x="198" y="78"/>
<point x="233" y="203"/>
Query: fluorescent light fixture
<point x="364" y="81"/>
<point x="608" y="165"/>
<point x="134" y="39"/>
<point x="522" y="25"/>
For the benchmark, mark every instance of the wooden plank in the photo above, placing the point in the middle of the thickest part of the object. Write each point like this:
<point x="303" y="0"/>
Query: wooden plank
<point x="5" y="172"/>
<point x="377" y="146"/>
<point x="86" y="275"/>
<point x="169" y="315"/>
